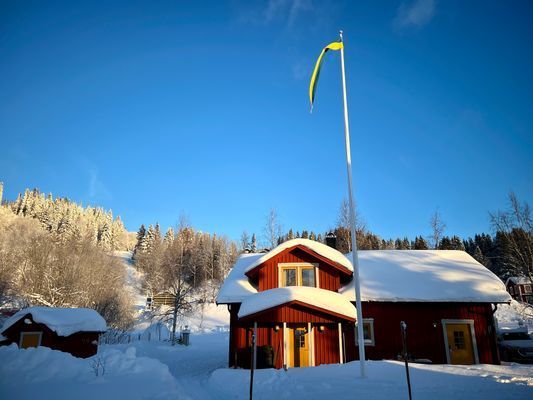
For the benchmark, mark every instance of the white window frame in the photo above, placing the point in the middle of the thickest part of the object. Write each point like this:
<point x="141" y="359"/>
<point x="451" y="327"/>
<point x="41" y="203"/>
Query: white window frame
<point x="282" y="266"/>
<point x="472" y="334"/>
<point x="372" y="340"/>
<point x="22" y="334"/>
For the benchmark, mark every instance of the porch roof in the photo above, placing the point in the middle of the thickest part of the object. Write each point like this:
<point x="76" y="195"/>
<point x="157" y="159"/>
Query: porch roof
<point x="323" y="300"/>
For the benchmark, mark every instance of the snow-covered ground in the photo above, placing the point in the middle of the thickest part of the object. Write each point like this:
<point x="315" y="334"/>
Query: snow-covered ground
<point x="514" y="315"/>
<point x="157" y="370"/>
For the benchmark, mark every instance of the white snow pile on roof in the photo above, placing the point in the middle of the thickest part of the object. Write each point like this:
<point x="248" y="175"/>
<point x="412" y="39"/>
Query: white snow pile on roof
<point x="321" y="298"/>
<point x="236" y="286"/>
<point x="320" y="248"/>
<point x="519" y="280"/>
<point x="63" y="321"/>
<point x="425" y="275"/>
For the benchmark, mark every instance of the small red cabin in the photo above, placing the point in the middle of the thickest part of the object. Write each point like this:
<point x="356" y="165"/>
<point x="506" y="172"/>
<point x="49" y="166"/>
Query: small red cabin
<point x="72" y="330"/>
<point x="300" y="300"/>
<point x="520" y="288"/>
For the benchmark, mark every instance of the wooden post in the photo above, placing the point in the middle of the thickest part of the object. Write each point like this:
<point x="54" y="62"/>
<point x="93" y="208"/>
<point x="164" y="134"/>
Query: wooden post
<point x="403" y="327"/>
<point x="253" y="361"/>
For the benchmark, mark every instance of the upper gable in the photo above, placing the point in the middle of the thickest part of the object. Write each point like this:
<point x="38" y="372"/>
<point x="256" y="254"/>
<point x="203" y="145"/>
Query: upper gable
<point x="328" y="274"/>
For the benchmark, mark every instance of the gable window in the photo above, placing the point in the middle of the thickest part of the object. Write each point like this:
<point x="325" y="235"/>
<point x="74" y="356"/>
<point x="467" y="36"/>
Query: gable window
<point x="294" y="274"/>
<point x="368" y="332"/>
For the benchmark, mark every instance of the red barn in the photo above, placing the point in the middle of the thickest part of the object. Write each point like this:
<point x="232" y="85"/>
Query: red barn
<point x="72" y="330"/>
<point x="300" y="299"/>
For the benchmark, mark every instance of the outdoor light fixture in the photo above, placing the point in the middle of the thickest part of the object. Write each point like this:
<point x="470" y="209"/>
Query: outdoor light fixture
<point x="276" y="328"/>
<point x="321" y="328"/>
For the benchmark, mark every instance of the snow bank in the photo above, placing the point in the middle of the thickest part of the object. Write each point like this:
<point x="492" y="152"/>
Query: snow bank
<point x="56" y="375"/>
<point x="321" y="298"/>
<point x="63" y="321"/>
<point x="425" y="275"/>
<point x="320" y="248"/>
<point x="514" y="315"/>
<point x="385" y="381"/>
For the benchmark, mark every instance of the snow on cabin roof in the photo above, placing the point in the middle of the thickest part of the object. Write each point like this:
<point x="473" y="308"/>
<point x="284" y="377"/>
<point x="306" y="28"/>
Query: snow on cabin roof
<point x="236" y="286"/>
<point x="425" y="275"/>
<point x="321" y="298"/>
<point x="519" y="280"/>
<point x="63" y="321"/>
<point x="320" y="248"/>
<point x="398" y="275"/>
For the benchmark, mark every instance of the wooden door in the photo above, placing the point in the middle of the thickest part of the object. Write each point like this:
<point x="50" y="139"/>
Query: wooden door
<point x="460" y="345"/>
<point x="298" y="347"/>
<point x="30" y="339"/>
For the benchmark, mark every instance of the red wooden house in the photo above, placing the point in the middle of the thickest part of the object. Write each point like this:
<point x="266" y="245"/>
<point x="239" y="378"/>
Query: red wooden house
<point x="72" y="330"/>
<point x="520" y="288"/>
<point x="300" y="299"/>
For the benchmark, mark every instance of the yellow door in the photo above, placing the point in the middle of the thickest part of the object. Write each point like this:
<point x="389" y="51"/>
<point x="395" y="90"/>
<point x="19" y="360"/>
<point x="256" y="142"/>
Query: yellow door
<point x="30" y="339"/>
<point x="298" y="347"/>
<point x="460" y="346"/>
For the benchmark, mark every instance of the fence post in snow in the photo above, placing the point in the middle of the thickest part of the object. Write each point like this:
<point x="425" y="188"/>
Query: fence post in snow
<point x="403" y="327"/>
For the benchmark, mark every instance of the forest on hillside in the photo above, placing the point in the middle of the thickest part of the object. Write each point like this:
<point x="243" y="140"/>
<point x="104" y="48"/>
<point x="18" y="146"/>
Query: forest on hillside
<point x="55" y="252"/>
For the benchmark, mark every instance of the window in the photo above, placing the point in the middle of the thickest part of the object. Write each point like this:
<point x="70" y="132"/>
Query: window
<point x="368" y="332"/>
<point x="289" y="277"/>
<point x="527" y="289"/>
<point x="459" y="340"/>
<point x="293" y="274"/>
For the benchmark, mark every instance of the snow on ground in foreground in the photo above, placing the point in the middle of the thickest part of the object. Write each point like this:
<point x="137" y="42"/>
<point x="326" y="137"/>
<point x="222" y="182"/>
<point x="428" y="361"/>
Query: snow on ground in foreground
<point x="156" y="370"/>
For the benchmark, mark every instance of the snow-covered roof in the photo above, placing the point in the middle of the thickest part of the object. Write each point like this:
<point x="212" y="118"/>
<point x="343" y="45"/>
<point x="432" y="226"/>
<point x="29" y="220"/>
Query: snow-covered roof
<point x="425" y="275"/>
<point x="519" y="280"/>
<point x="63" y="321"/>
<point x="319" y="248"/>
<point x="236" y="286"/>
<point x="321" y="298"/>
<point x="398" y="275"/>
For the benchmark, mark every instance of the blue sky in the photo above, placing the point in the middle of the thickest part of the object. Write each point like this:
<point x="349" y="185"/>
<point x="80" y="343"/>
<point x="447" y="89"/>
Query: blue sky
<point x="156" y="109"/>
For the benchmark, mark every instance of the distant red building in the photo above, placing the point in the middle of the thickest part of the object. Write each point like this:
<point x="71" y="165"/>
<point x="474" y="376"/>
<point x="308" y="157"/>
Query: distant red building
<point x="72" y="330"/>
<point x="520" y="288"/>
<point x="300" y="299"/>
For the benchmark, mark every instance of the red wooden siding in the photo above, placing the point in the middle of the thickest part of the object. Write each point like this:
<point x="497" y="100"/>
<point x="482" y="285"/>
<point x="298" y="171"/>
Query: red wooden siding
<point x="425" y="337"/>
<point x="267" y="274"/>
<point x="424" y="321"/>
<point x="327" y="345"/>
<point x="292" y="313"/>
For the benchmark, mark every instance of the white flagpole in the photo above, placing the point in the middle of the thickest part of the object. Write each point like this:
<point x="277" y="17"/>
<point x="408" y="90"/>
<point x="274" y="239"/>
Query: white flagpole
<point x="355" y="258"/>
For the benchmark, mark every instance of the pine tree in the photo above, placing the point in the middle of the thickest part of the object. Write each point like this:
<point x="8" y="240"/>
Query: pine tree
<point x="420" y="244"/>
<point x="456" y="243"/>
<point x="245" y="242"/>
<point x="253" y="244"/>
<point x="445" y="244"/>
<point x="169" y="237"/>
